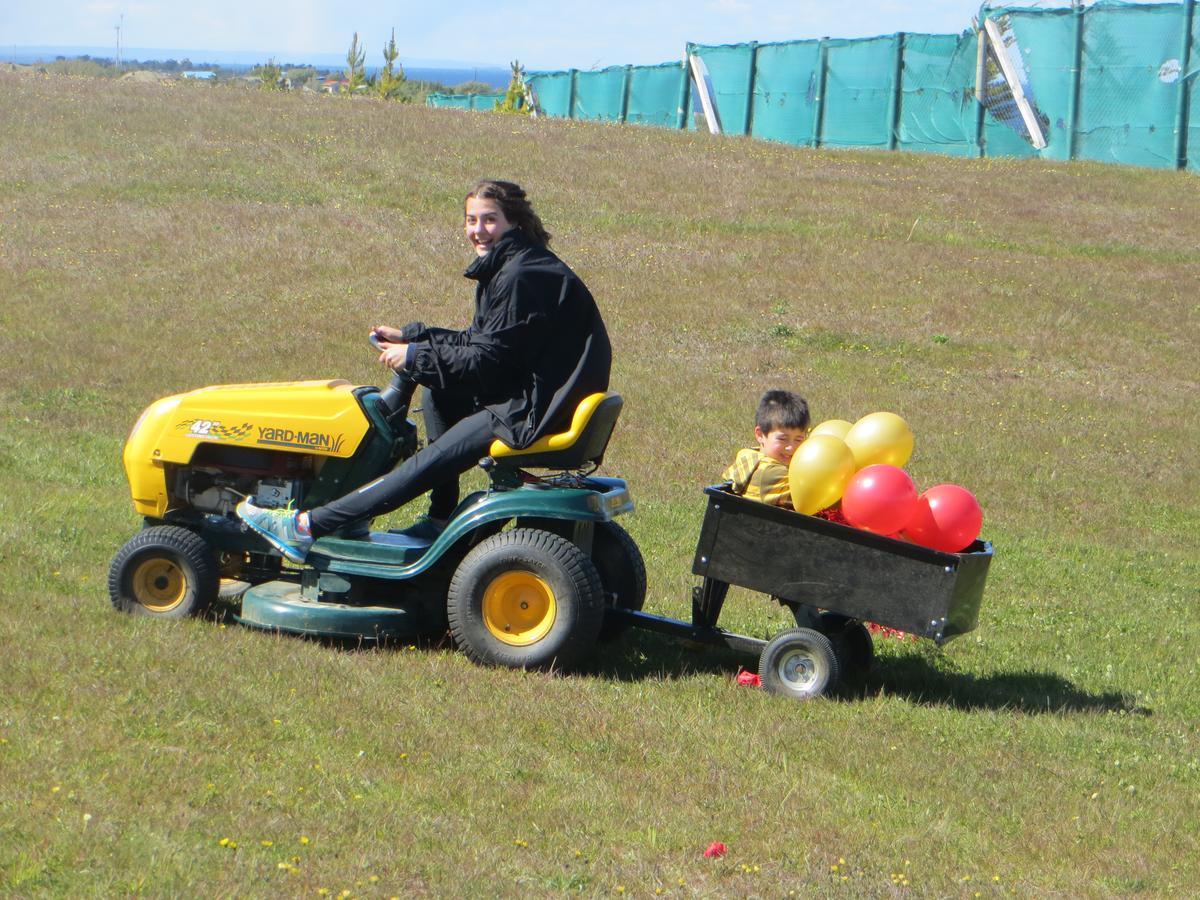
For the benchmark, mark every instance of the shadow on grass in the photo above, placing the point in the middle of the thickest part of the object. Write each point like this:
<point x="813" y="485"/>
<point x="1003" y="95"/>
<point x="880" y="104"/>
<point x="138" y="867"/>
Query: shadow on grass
<point x="638" y="656"/>
<point x="915" y="678"/>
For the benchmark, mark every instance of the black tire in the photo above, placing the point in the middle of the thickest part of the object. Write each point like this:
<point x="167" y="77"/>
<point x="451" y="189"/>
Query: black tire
<point x="799" y="663"/>
<point x="851" y="642"/>
<point x="622" y="574"/>
<point x="526" y="599"/>
<point x="855" y="650"/>
<point x="166" y="572"/>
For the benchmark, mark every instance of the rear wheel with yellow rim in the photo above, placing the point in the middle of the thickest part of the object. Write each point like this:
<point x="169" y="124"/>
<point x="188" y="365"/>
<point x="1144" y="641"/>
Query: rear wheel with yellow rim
<point x="164" y="571"/>
<point x="526" y="598"/>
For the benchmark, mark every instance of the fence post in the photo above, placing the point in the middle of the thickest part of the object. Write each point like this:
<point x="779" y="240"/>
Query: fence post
<point x="571" y="95"/>
<point x="819" y="112"/>
<point x="1076" y="82"/>
<point x="749" y="126"/>
<point x="981" y="38"/>
<point x="1181" y="111"/>
<point x="897" y="94"/>
<point x="625" y="94"/>
<point x="684" y="77"/>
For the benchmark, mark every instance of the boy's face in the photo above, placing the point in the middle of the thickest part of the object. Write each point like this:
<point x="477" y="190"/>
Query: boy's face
<point x="780" y="443"/>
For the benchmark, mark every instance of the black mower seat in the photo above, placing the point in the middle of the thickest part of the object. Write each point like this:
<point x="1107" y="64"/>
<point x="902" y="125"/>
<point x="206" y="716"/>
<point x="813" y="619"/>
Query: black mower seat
<point x="583" y="443"/>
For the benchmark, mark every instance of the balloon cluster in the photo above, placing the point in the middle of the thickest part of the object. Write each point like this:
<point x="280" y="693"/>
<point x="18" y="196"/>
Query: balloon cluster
<point x="860" y="465"/>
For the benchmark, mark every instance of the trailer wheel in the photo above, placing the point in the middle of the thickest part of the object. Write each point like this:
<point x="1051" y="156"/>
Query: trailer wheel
<point x="622" y="573"/>
<point x="526" y="599"/>
<point x="855" y="650"/>
<point x="164" y="571"/>
<point x="799" y="663"/>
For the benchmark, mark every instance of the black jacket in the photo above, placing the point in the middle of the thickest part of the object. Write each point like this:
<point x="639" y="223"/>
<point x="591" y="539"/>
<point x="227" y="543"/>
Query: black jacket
<point x="535" y="348"/>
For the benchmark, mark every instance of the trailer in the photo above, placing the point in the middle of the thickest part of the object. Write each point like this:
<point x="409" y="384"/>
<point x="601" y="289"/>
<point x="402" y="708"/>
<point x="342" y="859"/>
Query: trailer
<point x="832" y="577"/>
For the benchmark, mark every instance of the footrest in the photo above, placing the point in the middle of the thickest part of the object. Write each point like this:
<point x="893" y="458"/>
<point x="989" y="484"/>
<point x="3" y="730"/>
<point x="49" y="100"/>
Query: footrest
<point x="382" y="547"/>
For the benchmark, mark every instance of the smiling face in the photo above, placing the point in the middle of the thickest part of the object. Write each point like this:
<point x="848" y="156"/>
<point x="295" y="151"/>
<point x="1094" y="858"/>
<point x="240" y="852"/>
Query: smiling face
<point x="780" y="444"/>
<point x="485" y="224"/>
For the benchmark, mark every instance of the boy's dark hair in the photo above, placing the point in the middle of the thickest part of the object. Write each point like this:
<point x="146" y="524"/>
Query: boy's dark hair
<point x="781" y="409"/>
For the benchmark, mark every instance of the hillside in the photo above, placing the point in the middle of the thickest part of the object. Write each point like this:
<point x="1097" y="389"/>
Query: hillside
<point x="1035" y="324"/>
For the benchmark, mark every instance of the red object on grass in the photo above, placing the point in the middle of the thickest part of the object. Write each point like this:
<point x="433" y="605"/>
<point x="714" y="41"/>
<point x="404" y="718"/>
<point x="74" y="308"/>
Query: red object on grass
<point x="747" y="678"/>
<point x="715" y="850"/>
<point x="884" y="631"/>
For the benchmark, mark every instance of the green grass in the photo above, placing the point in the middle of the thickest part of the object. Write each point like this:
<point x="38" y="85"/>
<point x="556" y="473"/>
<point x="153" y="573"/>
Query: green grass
<point x="1035" y="323"/>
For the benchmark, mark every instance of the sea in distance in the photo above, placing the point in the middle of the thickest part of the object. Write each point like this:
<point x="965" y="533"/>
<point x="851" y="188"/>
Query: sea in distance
<point x="448" y="73"/>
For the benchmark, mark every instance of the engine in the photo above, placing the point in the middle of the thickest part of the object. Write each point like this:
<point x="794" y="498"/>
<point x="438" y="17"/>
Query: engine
<point x="220" y="477"/>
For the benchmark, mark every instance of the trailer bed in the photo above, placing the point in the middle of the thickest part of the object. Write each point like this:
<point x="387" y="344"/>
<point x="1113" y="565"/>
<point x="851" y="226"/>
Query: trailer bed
<point x="807" y="560"/>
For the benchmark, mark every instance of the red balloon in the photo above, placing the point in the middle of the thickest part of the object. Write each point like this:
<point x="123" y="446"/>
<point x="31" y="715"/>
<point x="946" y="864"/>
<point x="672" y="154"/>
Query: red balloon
<point x="879" y="498"/>
<point x="947" y="518"/>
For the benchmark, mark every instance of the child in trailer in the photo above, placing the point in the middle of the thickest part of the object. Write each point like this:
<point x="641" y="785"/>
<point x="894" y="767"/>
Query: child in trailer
<point x="780" y="426"/>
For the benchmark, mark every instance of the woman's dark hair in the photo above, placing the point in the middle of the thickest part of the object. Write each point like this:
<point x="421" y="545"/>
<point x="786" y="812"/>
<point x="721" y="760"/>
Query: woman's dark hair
<point x="516" y="207"/>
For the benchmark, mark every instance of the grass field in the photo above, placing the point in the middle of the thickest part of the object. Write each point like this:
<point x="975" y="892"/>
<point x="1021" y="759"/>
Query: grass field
<point x="1036" y="324"/>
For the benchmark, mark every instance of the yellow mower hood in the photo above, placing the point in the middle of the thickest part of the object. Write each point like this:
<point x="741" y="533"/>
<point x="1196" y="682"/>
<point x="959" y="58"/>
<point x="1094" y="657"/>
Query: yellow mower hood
<point x="321" y="418"/>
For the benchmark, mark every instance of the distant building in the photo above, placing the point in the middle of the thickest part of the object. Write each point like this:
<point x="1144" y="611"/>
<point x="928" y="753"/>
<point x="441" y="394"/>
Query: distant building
<point x="205" y="76"/>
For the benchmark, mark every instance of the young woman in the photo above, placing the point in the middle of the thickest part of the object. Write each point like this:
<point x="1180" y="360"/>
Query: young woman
<point x="534" y="349"/>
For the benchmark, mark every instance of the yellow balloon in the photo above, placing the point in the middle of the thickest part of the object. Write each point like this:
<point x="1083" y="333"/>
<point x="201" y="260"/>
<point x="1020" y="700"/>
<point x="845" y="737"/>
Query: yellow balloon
<point x="836" y="427"/>
<point x="880" y="438"/>
<point x="818" y="473"/>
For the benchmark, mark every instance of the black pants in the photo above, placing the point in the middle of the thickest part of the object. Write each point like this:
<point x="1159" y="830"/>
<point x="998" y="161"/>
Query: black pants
<point x="458" y="435"/>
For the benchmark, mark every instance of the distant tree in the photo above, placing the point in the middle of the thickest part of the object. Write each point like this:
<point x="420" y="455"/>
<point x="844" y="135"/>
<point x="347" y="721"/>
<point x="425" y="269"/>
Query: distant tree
<point x="270" y="76"/>
<point x="356" y="77"/>
<point x="299" y="75"/>
<point x="80" y="68"/>
<point x="389" y="83"/>
<point x="472" y="87"/>
<point x="516" y="98"/>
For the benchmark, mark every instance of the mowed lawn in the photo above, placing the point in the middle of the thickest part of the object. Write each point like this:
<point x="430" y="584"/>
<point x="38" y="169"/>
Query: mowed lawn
<point x="1035" y="323"/>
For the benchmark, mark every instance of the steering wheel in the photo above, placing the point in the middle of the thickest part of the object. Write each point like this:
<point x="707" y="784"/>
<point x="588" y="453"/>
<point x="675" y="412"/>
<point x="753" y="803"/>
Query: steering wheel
<point x="396" y="397"/>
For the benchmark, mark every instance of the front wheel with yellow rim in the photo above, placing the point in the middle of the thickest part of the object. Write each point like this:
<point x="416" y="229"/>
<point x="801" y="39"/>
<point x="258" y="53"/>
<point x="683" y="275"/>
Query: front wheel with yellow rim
<point x="164" y="571"/>
<point x="526" y="599"/>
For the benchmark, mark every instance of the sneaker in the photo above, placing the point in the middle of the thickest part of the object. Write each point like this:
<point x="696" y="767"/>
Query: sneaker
<point x="279" y="527"/>
<point x="426" y="528"/>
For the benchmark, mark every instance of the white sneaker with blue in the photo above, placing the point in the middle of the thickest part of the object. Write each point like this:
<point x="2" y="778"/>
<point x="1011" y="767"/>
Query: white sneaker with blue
<point x="279" y="527"/>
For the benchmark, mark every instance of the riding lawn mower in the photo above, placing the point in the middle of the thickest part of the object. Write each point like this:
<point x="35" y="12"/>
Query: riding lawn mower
<point x="521" y="576"/>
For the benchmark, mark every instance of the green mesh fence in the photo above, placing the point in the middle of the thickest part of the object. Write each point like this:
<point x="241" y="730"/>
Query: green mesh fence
<point x="600" y="95"/>
<point x="552" y="92"/>
<point x="729" y="67"/>
<point x="938" y="111"/>
<point x="1114" y="82"/>
<point x="1127" y="112"/>
<point x="860" y="88"/>
<point x="785" y="92"/>
<point x="655" y="95"/>
<point x="465" y="101"/>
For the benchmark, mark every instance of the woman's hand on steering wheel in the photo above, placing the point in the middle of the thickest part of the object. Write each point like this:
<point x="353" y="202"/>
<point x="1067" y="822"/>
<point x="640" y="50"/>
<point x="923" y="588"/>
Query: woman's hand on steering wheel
<point x="387" y="334"/>
<point x="394" y="356"/>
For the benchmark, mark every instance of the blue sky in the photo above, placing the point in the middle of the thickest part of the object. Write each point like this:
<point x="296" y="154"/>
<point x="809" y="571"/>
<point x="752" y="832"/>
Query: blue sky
<point x="543" y="34"/>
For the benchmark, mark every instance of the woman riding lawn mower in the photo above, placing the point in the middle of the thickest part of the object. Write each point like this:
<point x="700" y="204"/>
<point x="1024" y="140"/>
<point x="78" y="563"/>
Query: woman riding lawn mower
<point x="533" y="571"/>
